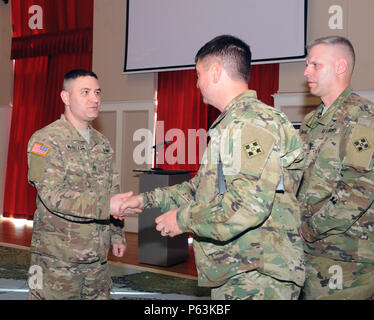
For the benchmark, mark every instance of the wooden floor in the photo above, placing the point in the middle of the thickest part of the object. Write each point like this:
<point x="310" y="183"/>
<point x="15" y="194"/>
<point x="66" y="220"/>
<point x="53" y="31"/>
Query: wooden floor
<point x="18" y="233"/>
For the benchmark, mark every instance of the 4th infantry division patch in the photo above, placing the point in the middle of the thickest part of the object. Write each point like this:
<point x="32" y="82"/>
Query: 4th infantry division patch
<point x="253" y="149"/>
<point x="361" y="144"/>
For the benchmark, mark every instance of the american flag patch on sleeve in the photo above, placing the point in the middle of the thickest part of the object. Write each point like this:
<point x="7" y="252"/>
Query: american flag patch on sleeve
<point x="40" y="149"/>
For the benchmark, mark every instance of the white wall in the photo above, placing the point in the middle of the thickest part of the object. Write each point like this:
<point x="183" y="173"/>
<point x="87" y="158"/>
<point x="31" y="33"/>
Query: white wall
<point x="357" y="26"/>
<point x="109" y="31"/>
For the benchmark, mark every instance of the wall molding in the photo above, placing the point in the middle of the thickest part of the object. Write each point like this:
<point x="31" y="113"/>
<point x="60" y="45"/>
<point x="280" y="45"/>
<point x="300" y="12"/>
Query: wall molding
<point x="125" y="106"/>
<point x="120" y="108"/>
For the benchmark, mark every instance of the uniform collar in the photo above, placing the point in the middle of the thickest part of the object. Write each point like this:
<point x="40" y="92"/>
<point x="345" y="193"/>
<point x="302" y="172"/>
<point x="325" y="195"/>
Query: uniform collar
<point x="232" y="104"/>
<point x="326" y="118"/>
<point x="76" y="135"/>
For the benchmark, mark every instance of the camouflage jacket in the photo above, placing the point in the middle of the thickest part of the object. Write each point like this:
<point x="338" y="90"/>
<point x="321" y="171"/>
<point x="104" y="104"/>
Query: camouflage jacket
<point x="249" y="226"/>
<point x="337" y="189"/>
<point x="74" y="183"/>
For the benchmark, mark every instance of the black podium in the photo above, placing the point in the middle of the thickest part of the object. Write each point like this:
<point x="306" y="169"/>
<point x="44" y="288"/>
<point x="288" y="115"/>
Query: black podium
<point x="153" y="248"/>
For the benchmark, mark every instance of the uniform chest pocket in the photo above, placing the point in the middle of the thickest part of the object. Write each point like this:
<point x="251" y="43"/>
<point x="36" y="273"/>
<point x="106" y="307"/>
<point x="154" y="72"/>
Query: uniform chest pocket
<point x="359" y="149"/>
<point x="101" y="159"/>
<point x="76" y="168"/>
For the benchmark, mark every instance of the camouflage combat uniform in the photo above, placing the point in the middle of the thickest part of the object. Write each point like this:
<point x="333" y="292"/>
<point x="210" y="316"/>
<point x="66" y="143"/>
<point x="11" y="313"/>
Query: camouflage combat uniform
<point x="72" y="229"/>
<point x="249" y="231"/>
<point x="336" y="195"/>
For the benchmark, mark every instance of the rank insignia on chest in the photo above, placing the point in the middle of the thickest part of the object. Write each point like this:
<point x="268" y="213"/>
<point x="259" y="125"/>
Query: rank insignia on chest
<point x="40" y="149"/>
<point x="361" y="144"/>
<point x="253" y="149"/>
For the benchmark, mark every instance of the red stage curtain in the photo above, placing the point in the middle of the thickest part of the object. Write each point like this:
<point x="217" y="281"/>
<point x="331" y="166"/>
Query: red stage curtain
<point x="42" y="57"/>
<point x="180" y="107"/>
<point x="264" y="78"/>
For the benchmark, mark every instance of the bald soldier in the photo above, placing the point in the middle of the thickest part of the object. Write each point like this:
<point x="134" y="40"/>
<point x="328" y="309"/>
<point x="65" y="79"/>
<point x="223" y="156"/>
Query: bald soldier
<point x="72" y="167"/>
<point x="241" y="206"/>
<point x="337" y="188"/>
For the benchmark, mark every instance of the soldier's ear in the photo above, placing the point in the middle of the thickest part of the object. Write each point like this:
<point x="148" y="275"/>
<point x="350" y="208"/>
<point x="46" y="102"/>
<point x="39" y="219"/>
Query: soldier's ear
<point x="65" y="96"/>
<point x="341" y="66"/>
<point x="216" y="71"/>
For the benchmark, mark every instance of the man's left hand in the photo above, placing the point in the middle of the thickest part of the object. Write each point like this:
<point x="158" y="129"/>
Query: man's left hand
<point x="118" y="250"/>
<point x="167" y="224"/>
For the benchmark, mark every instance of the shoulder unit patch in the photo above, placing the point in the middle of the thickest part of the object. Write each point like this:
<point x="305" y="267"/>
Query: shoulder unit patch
<point x="361" y="144"/>
<point x="253" y="149"/>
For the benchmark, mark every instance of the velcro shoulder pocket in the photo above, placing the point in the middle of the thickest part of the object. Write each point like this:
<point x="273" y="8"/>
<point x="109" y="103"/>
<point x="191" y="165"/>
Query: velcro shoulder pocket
<point x="253" y="148"/>
<point x="360" y="148"/>
<point x="37" y="167"/>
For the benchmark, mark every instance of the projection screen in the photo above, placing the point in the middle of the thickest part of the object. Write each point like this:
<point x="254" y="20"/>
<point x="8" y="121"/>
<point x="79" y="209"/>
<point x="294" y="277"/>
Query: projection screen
<point x="166" y="34"/>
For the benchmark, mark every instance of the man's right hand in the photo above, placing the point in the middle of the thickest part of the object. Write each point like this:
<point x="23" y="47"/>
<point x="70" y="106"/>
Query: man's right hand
<point x="130" y="205"/>
<point x="117" y="208"/>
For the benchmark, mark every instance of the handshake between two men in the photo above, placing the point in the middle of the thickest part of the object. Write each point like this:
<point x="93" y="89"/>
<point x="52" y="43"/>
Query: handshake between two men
<point x="128" y="204"/>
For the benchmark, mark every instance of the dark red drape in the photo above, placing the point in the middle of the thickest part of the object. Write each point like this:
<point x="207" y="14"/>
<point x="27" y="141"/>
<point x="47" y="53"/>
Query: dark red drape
<point x="264" y="78"/>
<point x="42" y="57"/>
<point x="180" y="109"/>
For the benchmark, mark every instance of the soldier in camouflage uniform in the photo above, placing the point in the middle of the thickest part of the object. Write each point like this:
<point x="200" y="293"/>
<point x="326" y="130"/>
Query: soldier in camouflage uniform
<point x="72" y="167"/>
<point x="337" y="188"/>
<point x="240" y="206"/>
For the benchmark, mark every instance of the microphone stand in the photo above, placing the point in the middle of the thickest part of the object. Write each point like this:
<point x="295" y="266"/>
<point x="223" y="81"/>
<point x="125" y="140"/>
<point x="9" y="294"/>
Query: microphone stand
<point x="157" y="147"/>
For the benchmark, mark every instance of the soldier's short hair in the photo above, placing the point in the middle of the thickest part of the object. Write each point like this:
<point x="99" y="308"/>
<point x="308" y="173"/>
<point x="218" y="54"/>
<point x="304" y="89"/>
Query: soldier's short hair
<point x="234" y="54"/>
<point x="336" y="41"/>
<point x="77" y="73"/>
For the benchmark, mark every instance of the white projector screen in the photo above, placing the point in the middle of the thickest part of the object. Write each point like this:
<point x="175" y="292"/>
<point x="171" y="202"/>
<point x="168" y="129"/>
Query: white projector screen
<point x="166" y="34"/>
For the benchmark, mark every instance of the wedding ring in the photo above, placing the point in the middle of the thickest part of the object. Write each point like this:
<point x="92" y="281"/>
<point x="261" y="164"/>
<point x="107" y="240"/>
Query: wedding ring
<point x="166" y="232"/>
